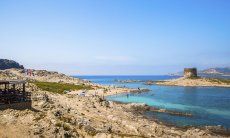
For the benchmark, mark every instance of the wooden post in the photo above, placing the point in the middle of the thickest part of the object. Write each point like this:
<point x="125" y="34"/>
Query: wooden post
<point x="24" y="87"/>
<point x="14" y="87"/>
<point x="24" y="91"/>
<point x="5" y="87"/>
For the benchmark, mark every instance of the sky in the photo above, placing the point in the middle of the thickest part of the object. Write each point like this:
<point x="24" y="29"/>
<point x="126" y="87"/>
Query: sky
<point x="116" y="37"/>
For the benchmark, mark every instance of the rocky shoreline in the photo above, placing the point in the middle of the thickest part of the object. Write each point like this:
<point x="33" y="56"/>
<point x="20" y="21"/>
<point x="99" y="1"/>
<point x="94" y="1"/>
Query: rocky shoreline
<point x="142" y="108"/>
<point x="72" y="115"/>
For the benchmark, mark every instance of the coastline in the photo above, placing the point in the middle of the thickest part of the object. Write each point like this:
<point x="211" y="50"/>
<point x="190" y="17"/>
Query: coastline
<point x="85" y="116"/>
<point x="142" y="108"/>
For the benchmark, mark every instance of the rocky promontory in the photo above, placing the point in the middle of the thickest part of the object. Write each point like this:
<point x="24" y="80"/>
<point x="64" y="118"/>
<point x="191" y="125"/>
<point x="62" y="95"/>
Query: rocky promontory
<point x="203" y="82"/>
<point x="8" y="64"/>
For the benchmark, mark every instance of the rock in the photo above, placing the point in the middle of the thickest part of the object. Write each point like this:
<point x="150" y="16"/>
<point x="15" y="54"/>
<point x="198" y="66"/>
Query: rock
<point x="82" y="122"/>
<point x="111" y="103"/>
<point x="55" y="130"/>
<point x="159" y="131"/>
<point x="139" y="106"/>
<point x="108" y="128"/>
<point x="73" y="121"/>
<point x="67" y="134"/>
<point x="98" y="99"/>
<point x="58" y="113"/>
<point x="46" y="98"/>
<point x="217" y="129"/>
<point x="68" y="110"/>
<point x="140" y="90"/>
<point x="90" y="130"/>
<point x="128" y="81"/>
<point x="105" y="103"/>
<point x="149" y="82"/>
<point x="45" y="105"/>
<point x="38" y="130"/>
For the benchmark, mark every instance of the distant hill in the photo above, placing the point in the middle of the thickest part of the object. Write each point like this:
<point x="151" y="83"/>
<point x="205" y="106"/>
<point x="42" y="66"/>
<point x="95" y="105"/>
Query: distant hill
<point x="8" y="64"/>
<point x="211" y="72"/>
<point x="216" y="71"/>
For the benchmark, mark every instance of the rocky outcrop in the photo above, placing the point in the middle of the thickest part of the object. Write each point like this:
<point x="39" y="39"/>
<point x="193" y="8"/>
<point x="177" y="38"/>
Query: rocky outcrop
<point x="8" y="64"/>
<point x="128" y="81"/>
<point x="149" y="82"/>
<point x="139" y="90"/>
<point x="138" y="106"/>
<point x="40" y="75"/>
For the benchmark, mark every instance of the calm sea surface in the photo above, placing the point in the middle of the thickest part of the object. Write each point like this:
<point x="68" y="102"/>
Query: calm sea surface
<point x="209" y="105"/>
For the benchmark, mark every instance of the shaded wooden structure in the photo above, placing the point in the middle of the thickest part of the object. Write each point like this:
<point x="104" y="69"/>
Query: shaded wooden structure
<point x="13" y="94"/>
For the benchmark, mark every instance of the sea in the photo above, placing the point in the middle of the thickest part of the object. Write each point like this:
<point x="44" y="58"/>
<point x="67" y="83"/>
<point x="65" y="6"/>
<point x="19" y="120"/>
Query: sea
<point x="209" y="106"/>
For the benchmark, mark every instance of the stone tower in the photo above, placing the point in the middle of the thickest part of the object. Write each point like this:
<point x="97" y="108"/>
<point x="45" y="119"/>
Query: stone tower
<point x="190" y="72"/>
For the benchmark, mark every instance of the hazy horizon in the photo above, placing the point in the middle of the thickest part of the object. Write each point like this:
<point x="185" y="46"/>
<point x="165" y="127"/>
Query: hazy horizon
<point x="116" y="37"/>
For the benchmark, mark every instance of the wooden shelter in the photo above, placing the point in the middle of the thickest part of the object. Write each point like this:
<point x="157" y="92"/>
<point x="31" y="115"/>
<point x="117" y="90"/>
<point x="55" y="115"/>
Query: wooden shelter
<point x="13" y="94"/>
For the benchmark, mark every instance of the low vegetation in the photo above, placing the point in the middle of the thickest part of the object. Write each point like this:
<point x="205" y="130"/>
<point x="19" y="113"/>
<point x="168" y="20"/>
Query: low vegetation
<point x="226" y="81"/>
<point x="195" y="77"/>
<point x="60" y="87"/>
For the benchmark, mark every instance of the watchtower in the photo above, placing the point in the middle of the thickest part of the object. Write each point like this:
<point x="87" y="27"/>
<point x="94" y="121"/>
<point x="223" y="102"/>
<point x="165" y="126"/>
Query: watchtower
<point x="190" y="72"/>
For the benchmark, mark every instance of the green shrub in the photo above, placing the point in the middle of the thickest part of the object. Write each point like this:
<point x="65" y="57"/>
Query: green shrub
<point x="66" y="127"/>
<point x="60" y="87"/>
<point x="58" y="124"/>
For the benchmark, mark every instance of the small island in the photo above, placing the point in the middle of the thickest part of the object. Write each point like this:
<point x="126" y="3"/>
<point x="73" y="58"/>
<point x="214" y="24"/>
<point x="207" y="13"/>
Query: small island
<point x="191" y="78"/>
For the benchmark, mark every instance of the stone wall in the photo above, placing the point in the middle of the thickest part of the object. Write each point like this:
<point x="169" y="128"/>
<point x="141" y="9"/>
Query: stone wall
<point x="190" y="72"/>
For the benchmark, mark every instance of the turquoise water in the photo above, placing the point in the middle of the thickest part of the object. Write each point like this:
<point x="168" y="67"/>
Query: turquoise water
<point x="208" y="105"/>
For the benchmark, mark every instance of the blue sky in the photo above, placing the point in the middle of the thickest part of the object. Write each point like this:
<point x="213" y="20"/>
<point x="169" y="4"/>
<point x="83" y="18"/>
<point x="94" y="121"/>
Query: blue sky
<point x="141" y="37"/>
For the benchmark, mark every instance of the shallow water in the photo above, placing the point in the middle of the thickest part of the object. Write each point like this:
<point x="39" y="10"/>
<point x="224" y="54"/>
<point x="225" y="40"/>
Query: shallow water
<point x="208" y="105"/>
